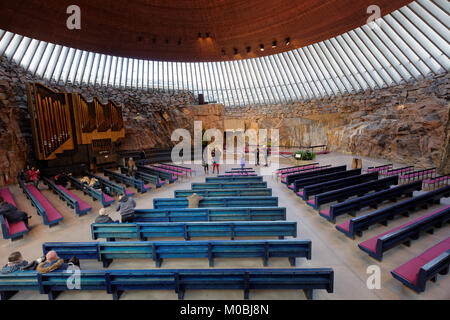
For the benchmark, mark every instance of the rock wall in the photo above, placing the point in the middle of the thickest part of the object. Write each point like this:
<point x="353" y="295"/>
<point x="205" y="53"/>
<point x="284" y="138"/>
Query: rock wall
<point x="149" y="116"/>
<point x="408" y="123"/>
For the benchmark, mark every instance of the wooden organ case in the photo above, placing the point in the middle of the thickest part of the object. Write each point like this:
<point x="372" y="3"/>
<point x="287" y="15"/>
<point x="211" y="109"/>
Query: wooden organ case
<point x="71" y="133"/>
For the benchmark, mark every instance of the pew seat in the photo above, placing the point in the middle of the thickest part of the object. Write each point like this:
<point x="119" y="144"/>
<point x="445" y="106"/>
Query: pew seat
<point x="14" y="230"/>
<point x="415" y="272"/>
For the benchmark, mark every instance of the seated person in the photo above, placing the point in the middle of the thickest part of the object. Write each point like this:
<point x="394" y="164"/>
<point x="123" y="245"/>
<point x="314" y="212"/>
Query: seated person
<point x="52" y="263"/>
<point x="94" y="183"/>
<point x="193" y="200"/>
<point x="11" y="213"/>
<point x="103" y="217"/>
<point x="61" y="180"/>
<point x="15" y="263"/>
<point x="126" y="207"/>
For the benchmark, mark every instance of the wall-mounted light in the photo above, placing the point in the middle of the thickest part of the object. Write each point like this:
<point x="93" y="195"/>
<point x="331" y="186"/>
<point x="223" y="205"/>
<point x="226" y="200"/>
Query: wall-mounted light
<point x="274" y="44"/>
<point x="235" y="51"/>
<point x="261" y="47"/>
<point x="288" y="41"/>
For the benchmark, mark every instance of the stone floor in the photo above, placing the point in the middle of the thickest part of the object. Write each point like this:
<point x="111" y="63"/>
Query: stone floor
<point x="330" y="247"/>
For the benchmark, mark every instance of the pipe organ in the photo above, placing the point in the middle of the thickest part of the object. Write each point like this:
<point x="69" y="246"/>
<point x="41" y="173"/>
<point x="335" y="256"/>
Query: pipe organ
<point x="67" y="125"/>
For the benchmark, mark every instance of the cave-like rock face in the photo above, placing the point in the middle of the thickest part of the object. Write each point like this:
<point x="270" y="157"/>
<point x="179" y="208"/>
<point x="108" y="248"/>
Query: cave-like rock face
<point x="150" y="116"/>
<point x="407" y="123"/>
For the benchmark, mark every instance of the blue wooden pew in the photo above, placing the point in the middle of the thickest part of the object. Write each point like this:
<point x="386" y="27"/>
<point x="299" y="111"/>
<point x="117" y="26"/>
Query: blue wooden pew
<point x="81" y="208"/>
<point x="106" y="252"/>
<point x="335" y="184"/>
<point x="210" y="214"/>
<point x="128" y="181"/>
<point x="117" y="189"/>
<point x="162" y="174"/>
<point x="229" y="185"/>
<point x="353" y="190"/>
<point x="415" y="272"/>
<point x="403" y="234"/>
<point x="357" y="225"/>
<point x="115" y="282"/>
<point x="93" y="193"/>
<point x="146" y="177"/>
<point x="318" y="171"/>
<point x="301" y="183"/>
<point x="242" y="179"/>
<point x="188" y="230"/>
<point x="260" y="192"/>
<point x="50" y="216"/>
<point x="163" y="203"/>
<point x="370" y="200"/>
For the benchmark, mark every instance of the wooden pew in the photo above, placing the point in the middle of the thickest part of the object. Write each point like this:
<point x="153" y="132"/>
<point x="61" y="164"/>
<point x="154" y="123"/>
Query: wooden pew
<point x="224" y="192"/>
<point x="336" y="184"/>
<point x="162" y="174"/>
<point x="242" y="179"/>
<point x="116" y="188"/>
<point x="354" y="190"/>
<point x="128" y="181"/>
<point x="415" y="272"/>
<point x="227" y="185"/>
<point x="210" y="214"/>
<point x="93" y="193"/>
<point x="14" y="230"/>
<point x="301" y="183"/>
<point x="357" y="225"/>
<point x="370" y="200"/>
<point x="146" y="177"/>
<point x="106" y="252"/>
<point x="162" y="203"/>
<point x="115" y="282"/>
<point x="188" y="230"/>
<point x="44" y="208"/>
<point x="312" y="173"/>
<point x="376" y="246"/>
<point x="81" y="207"/>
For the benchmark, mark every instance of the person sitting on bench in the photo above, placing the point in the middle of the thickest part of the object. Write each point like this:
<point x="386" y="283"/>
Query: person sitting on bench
<point x="103" y="217"/>
<point x="52" y="263"/>
<point x="193" y="200"/>
<point x="15" y="263"/>
<point x="33" y="174"/>
<point x="11" y="213"/>
<point x="126" y="207"/>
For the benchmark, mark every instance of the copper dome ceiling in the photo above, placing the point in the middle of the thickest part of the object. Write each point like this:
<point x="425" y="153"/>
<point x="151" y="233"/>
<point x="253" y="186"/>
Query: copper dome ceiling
<point x="169" y="30"/>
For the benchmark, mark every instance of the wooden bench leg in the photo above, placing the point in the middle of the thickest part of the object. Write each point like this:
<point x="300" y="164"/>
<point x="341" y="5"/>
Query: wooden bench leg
<point x="107" y="262"/>
<point x="5" y="295"/>
<point x="116" y="294"/>
<point x="180" y="294"/>
<point x="292" y="261"/>
<point x="308" y="293"/>
<point x="52" y="295"/>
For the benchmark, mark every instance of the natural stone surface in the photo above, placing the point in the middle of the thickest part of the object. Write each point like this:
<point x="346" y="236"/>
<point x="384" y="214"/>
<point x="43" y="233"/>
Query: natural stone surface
<point x="150" y="116"/>
<point x="408" y="123"/>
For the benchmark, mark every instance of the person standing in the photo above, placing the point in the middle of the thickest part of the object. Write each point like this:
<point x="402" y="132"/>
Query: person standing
<point x="266" y="155"/>
<point x="126" y="207"/>
<point x="131" y="167"/>
<point x="257" y="156"/>
<point x="33" y="175"/>
<point x="216" y="160"/>
<point x="243" y="161"/>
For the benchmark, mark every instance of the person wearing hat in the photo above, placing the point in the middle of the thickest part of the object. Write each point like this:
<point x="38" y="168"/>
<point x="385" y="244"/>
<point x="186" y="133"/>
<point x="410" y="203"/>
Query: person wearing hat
<point x="52" y="263"/>
<point x="15" y="263"/>
<point x="126" y="207"/>
<point x="103" y="217"/>
<point x="194" y="200"/>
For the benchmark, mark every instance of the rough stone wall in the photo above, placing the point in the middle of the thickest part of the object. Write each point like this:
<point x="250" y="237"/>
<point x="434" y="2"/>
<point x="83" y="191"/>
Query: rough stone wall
<point x="149" y="117"/>
<point x="407" y="123"/>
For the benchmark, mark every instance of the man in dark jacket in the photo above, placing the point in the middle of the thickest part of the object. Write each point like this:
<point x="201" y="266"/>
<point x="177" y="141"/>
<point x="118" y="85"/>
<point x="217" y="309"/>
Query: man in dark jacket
<point x="11" y="213"/>
<point x="103" y="217"/>
<point x="126" y="207"/>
